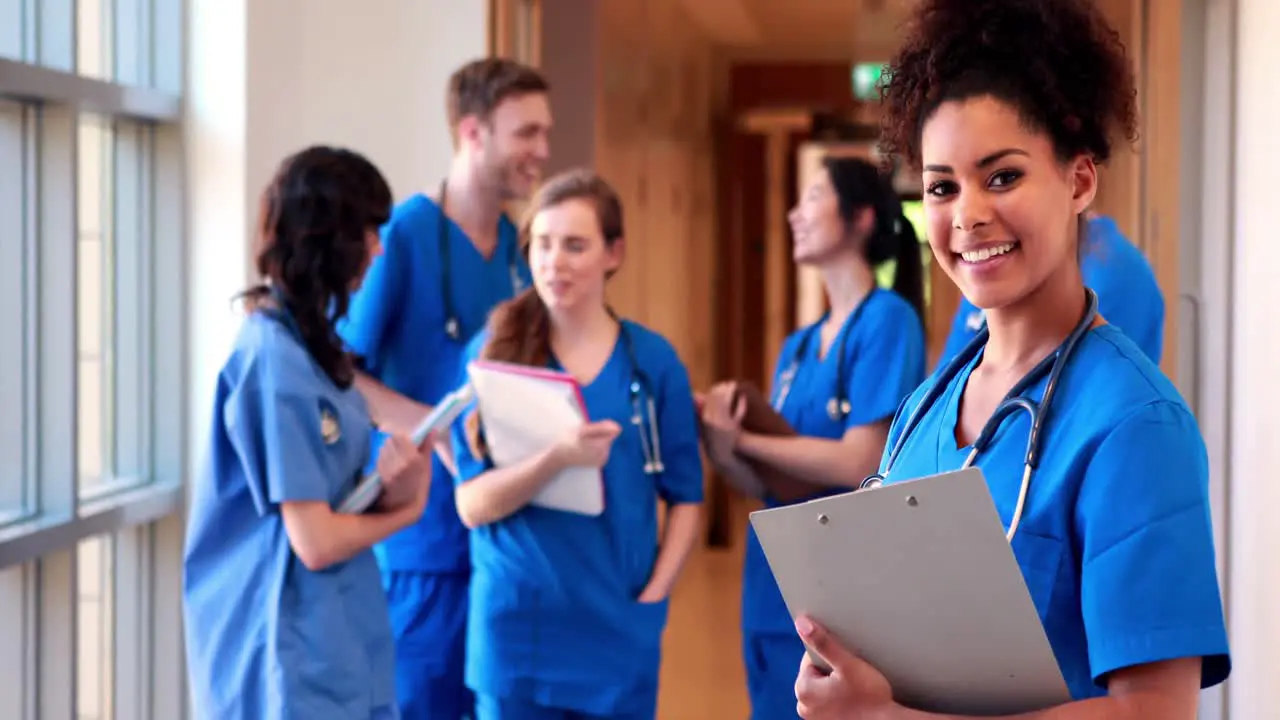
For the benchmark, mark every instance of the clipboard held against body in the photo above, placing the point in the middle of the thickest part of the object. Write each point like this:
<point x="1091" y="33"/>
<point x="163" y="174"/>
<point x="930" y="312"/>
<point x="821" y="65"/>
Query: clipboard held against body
<point x="919" y="578"/>
<point x="523" y="411"/>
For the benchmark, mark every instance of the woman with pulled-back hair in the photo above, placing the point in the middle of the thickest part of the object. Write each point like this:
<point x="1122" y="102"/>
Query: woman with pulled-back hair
<point x="284" y="610"/>
<point x="568" y="610"/>
<point x="1007" y="107"/>
<point x="837" y="385"/>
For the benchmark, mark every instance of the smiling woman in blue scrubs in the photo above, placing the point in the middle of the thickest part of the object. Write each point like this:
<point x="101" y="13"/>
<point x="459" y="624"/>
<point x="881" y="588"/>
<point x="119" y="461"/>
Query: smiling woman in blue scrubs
<point x="838" y="383"/>
<point x="284" y="612"/>
<point x="567" y="610"/>
<point x="1008" y="107"/>
<point x="1113" y="267"/>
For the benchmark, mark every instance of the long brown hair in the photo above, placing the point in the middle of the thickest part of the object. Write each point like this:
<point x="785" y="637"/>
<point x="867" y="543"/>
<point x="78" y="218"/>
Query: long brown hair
<point x="312" y="224"/>
<point x="519" y="330"/>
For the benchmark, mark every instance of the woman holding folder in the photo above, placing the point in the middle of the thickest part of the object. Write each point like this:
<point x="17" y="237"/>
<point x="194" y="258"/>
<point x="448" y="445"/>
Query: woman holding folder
<point x="568" y="610"/>
<point x="837" y="385"/>
<point x="283" y="605"/>
<point x="1008" y="107"/>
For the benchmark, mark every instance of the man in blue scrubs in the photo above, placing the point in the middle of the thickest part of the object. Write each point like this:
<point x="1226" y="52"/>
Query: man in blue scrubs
<point x="1128" y="295"/>
<point x="446" y="262"/>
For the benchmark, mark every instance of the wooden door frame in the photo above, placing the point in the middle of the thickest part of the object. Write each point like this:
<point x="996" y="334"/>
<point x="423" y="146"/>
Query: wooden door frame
<point x="1159" y="54"/>
<point x="503" y="32"/>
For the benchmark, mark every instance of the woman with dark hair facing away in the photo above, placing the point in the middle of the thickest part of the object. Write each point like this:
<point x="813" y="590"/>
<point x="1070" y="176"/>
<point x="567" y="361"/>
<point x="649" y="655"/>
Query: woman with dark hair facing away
<point x="837" y="384"/>
<point x="284" y="610"/>
<point x="568" y="610"/>
<point x="1007" y="107"/>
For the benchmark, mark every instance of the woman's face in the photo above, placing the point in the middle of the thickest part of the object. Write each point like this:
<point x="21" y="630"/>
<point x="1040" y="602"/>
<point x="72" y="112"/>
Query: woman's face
<point x="569" y="257"/>
<point x="817" y="229"/>
<point x="1000" y="207"/>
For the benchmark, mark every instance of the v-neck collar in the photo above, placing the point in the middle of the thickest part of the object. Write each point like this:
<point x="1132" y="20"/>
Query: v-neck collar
<point x="502" y="252"/>
<point x="948" y="446"/>
<point x="600" y="372"/>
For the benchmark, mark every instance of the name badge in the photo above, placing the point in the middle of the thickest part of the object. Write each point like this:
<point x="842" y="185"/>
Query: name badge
<point x="330" y="430"/>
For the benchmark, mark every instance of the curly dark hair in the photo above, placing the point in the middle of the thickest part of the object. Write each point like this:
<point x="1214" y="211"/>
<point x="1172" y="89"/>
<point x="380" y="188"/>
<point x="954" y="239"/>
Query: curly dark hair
<point x="1057" y="61"/>
<point x="313" y="220"/>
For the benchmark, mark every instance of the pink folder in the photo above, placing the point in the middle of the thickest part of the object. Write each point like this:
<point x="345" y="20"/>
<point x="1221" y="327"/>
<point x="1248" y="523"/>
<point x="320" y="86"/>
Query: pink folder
<point x="524" y="410"/>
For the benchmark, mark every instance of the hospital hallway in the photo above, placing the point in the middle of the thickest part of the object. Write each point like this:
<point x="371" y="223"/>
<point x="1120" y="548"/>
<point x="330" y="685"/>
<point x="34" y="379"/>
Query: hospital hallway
<point x="136" y="138"/>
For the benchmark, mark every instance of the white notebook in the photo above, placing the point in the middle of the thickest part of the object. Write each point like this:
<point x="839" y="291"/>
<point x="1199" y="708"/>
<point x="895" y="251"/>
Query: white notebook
<point x="917" y="576"/>
<point x="524" y="410"/>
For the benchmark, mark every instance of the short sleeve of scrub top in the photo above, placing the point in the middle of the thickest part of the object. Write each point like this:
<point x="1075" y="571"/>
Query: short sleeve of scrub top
<point x="681" y="482"/>
<point x="885" y="359"/>
<point x="1149" y="589"/>
<point x="278" y="432"/>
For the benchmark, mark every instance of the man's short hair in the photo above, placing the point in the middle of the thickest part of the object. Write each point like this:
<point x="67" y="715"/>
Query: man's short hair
<point x="479" y="86"/>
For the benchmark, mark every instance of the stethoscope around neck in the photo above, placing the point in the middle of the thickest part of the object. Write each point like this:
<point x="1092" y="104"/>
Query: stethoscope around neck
<point x="1053" y="364"/>
<point x="452" y="321"/>
<point x="642" y="401"/>
<point x="838" y="406"/>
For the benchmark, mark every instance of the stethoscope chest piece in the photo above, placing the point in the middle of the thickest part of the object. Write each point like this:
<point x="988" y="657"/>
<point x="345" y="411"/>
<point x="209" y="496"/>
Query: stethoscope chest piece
<point x="838" y="408"/>
<point x="650" y="439"/>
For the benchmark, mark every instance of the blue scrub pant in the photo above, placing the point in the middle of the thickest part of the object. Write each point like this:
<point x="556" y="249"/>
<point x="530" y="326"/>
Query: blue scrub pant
<point x="491" y="707"/>
<point x="773" y="662"/>
<point x="429" y="621"/>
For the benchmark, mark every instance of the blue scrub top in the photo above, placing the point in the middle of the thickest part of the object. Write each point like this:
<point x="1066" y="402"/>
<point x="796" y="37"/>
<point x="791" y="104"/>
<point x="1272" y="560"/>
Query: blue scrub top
<point x="266" y="637"/>
<point x="396" y="325"/>
<point x="1115" y="542"/>
<point x="884" y="361"/>
<point x="554" y="618"/>
<point x="1128" y="295"/>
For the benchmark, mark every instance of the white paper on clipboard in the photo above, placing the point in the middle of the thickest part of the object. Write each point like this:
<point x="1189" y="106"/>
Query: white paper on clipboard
<point x="524" y="410"/>
<point x="919" y="577"/>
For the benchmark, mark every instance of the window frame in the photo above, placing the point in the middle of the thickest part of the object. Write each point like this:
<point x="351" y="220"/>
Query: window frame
<point x="140" y="515"/>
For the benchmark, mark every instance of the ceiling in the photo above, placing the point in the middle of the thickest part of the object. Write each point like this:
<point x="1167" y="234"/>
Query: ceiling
<point x="781" y="30"/>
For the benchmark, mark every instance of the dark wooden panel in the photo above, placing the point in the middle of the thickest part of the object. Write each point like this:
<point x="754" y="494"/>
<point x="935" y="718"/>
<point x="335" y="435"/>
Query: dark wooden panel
<point x="739" y="304"/>
<point x="825" y="86"/>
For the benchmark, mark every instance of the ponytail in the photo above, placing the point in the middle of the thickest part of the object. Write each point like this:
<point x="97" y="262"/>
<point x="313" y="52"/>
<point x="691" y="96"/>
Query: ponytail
<point x="908" y="275"/>
<point x="858" y="185"/>
<point x="519" y="333"/>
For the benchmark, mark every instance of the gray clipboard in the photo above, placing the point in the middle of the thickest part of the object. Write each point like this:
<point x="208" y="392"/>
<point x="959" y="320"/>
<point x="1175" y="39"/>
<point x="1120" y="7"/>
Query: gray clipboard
<point x="918" y="578"/>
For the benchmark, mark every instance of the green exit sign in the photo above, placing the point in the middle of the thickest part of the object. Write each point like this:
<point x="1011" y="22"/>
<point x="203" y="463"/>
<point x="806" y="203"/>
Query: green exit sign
<point x="865" y="77"/>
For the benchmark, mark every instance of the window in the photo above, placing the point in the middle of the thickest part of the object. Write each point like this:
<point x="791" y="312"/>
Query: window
<point x="95" y="623"/>
<point x="92" y="433"/>
<point x="15" y="317"/>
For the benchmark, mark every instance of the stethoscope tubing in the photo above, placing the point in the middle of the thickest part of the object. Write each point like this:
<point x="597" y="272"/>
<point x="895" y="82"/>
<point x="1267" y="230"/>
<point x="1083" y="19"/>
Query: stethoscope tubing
<point x="1054" y="364"/>
<point x="452" y="322"/>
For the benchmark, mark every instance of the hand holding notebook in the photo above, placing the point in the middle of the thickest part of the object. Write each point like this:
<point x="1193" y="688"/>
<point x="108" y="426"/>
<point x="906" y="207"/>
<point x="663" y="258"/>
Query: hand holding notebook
<point x="525" y="411"/>
<point x="441" y="416"/>
<point x="758" y="416"/>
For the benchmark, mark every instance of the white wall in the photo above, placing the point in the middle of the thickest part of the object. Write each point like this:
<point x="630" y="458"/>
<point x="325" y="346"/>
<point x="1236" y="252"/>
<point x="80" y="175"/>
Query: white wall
<point x="267" y="77"/>
<point x="1254" y="560"/>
